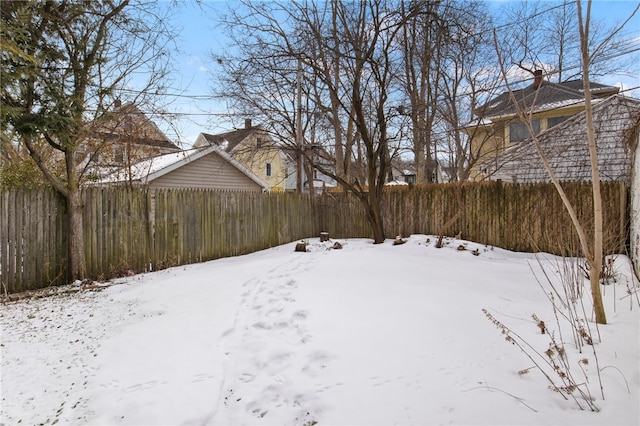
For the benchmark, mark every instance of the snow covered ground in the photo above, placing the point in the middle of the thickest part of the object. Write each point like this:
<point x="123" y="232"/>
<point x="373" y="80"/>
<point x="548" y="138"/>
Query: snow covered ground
<point x="367" y="334"/>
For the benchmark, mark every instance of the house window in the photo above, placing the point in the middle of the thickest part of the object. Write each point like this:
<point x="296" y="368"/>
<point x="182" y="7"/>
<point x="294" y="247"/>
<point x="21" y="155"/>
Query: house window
<point x="258" y="142"/>
<point x="410" y="178"/>
<point x="520" y="131"/>
<point x="556" y="120"/>
<point x="268" y="171"/>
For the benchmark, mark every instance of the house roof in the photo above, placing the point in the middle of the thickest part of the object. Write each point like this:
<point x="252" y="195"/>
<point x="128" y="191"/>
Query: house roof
<point x="150" y="169"/>
<point x="565" y="147"/>
<point x="129" y="121"/>
<point x="229" y="140"/>
<point x="545" y="97"/>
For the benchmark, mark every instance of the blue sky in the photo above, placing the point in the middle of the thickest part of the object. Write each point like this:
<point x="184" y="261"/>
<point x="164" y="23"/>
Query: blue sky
<point x="199" y="37"/>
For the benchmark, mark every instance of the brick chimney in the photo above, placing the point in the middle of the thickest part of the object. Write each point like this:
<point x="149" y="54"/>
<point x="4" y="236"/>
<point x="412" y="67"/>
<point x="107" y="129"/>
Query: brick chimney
<point x="537" y="78"/>
<point x="247" y="123"/>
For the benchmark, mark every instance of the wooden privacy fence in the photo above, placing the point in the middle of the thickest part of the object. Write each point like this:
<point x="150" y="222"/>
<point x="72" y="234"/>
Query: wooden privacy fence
<point x="131" y="231"/>
<point x="522" y="217"/>
<point x="192" y="226"/>
<point x="33" y="243"/>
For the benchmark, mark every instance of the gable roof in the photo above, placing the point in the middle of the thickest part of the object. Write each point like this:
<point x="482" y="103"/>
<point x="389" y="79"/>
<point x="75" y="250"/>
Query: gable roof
<point x="153" y="168"/>
<point x="130" y="122"/>
<point x="233" y="142"/>
<point x="565" y="146"/>
<point x="544" y="97"/>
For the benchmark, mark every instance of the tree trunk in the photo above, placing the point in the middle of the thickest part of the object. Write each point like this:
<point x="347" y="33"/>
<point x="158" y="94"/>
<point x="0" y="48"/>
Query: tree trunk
<point x="375" y="217"/>
<point x="454" y="218"/>
<point x="418" y="138"/>
<point x="595" y="258"/>
<point x="342" y="170"/>
<point x="77" y="265"/>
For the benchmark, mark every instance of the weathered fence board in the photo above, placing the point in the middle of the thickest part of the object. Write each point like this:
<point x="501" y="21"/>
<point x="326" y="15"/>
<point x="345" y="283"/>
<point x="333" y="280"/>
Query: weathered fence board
<point x="138" y="230"/>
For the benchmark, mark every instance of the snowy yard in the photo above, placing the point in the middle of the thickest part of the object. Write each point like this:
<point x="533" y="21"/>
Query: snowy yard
<point x="368" y="334"/>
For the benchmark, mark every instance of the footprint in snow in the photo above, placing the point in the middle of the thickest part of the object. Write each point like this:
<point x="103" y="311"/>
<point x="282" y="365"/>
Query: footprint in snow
<point x="299" y="316"/>
<point x="255" y="410"/>
<point x="261" y="325"/>
<point x="247" y="377"/>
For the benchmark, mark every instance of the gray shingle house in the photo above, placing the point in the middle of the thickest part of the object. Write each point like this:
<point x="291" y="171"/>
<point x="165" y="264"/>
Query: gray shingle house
<point x="616" y="120"/>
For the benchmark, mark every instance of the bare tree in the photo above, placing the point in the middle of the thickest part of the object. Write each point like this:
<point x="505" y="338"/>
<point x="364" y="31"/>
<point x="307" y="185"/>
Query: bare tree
<point x="423" y="37"/>
<point x="545" y="35"/>
<point x="263" y="79"/>
<point x="562" y="38"/>
<point x="593" y="253"/>
<point x="83" y="55"/>
<point x="348" y="58"/>
<point x="464" y="84"/>
<point x="592" y="250"/>
<point x="367" y="32"/>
